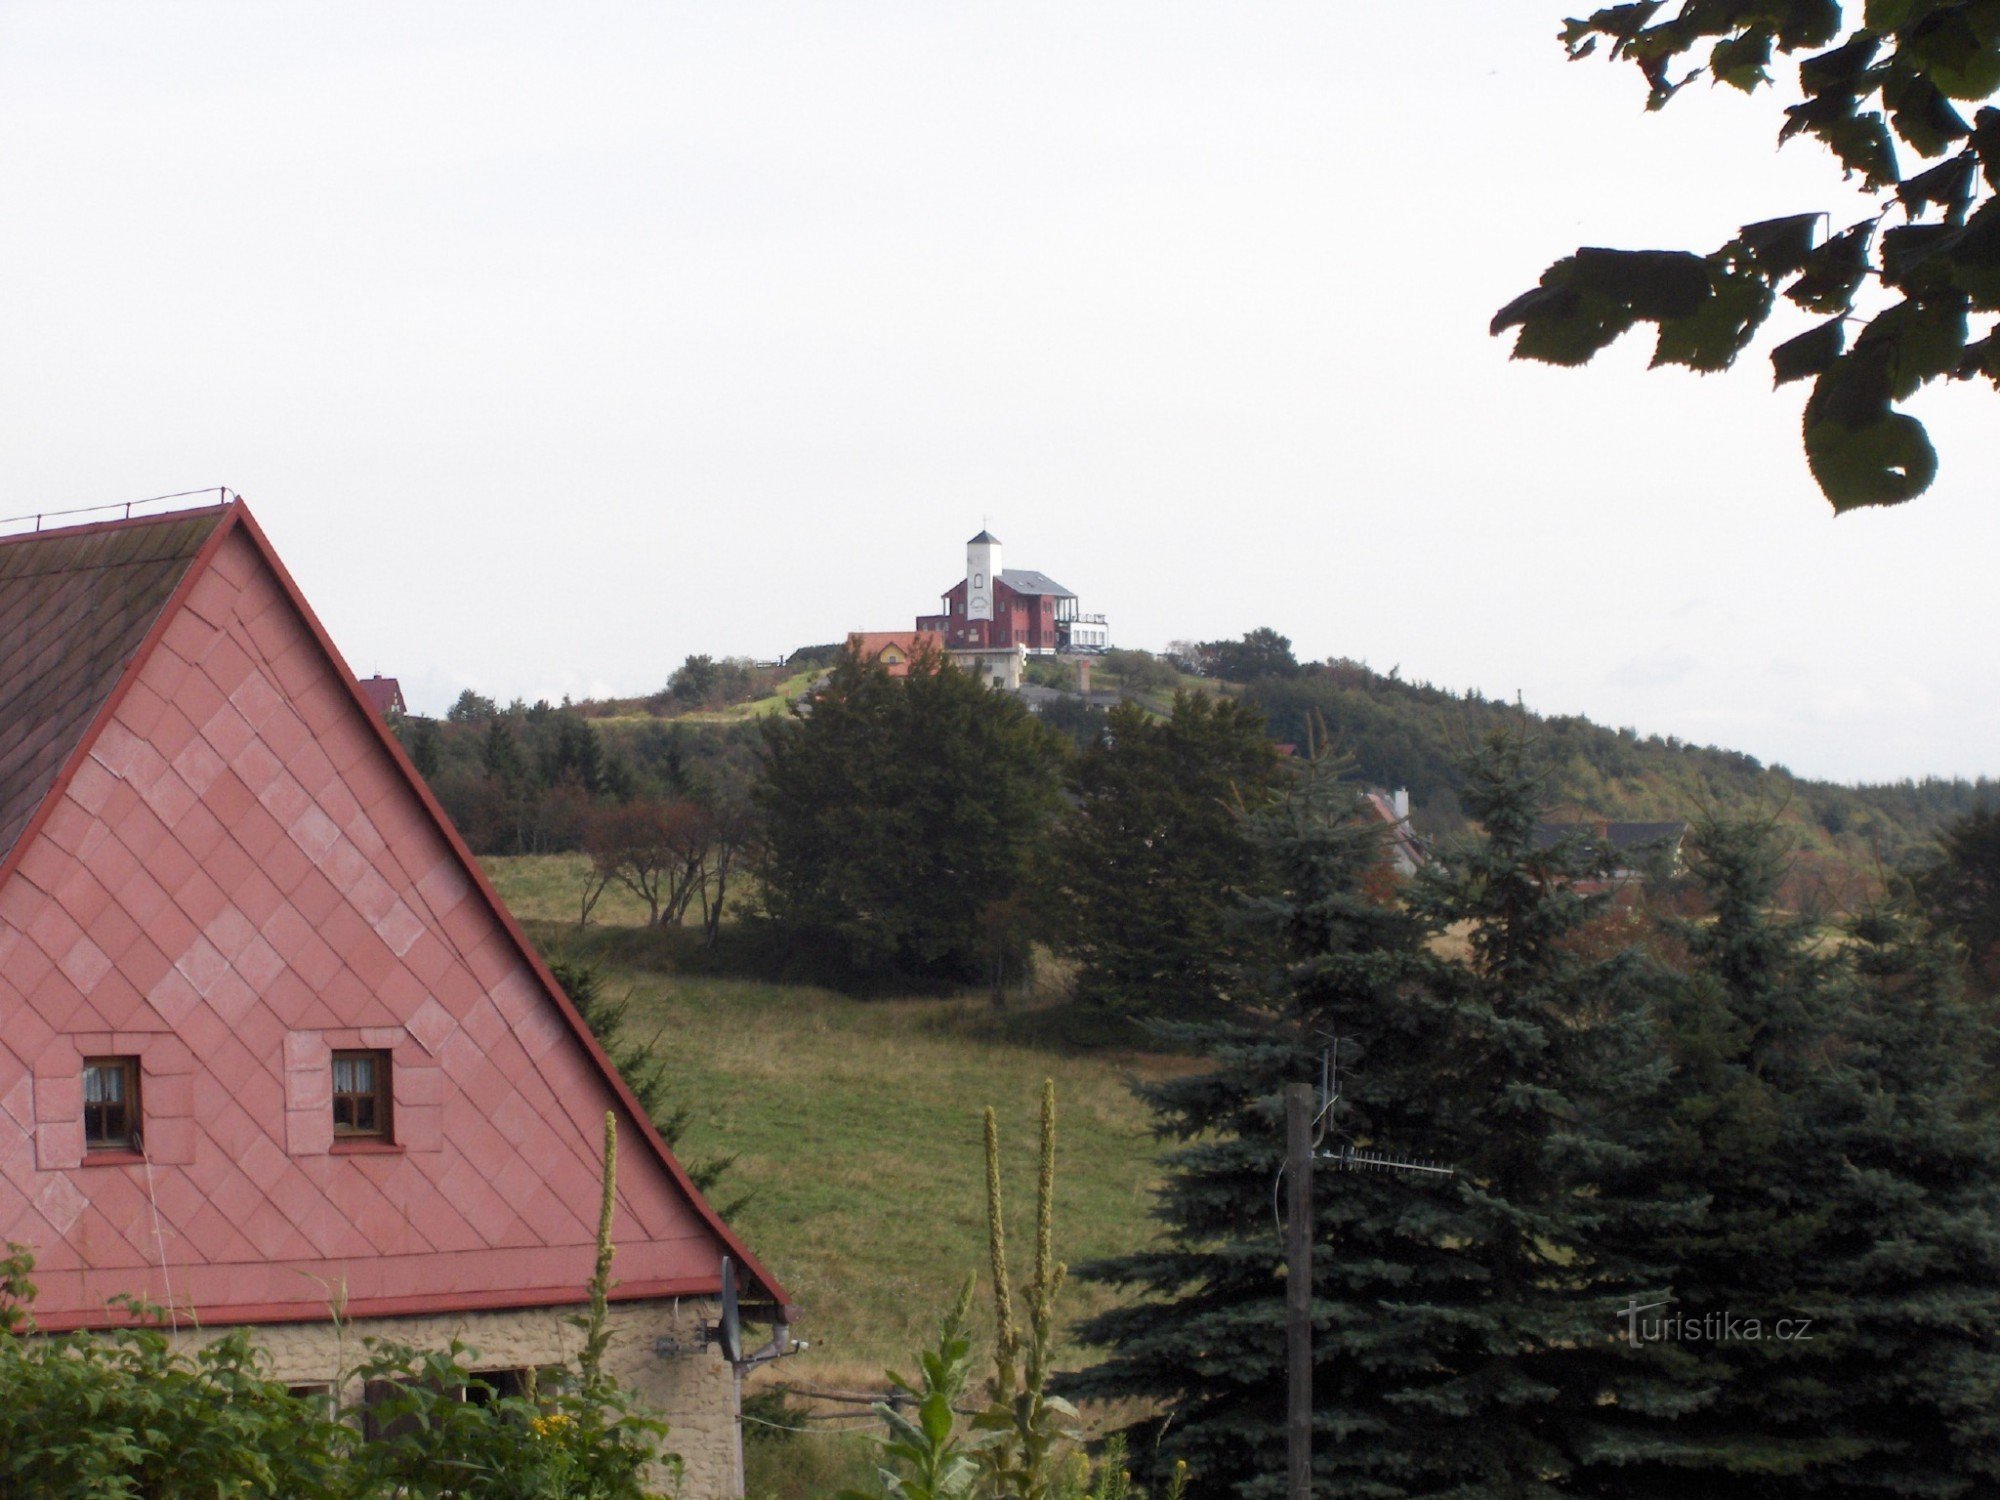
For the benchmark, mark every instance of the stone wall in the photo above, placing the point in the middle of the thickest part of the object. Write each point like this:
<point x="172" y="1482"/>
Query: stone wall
<point x="693" y="1391"/>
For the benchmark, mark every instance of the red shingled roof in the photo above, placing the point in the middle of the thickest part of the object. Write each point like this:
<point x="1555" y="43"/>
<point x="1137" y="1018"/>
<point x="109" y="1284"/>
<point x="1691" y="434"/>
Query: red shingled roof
<point x="74" y="606"/>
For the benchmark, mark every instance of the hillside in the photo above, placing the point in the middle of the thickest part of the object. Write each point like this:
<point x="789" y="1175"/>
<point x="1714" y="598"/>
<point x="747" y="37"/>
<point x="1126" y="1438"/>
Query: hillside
<point x="517" y="779"/>
<point x="1412" y="734"/>
<point x="856" y="1128"/>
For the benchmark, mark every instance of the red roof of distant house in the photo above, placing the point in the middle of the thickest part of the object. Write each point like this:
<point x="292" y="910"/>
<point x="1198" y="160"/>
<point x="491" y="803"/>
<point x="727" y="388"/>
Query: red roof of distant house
<point x="215" y="858"/>
<point x="384" y="695"/>
<point x="894" y="648"/>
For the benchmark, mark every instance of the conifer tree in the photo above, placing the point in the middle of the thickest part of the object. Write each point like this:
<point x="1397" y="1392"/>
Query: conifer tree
<point x="1747" y="1025"/>
<point x="1908" y="1299"/>
<point x="1462" y="1331"/>
<point x="1148" y="865"/>
<point x="898" y="813"/>
<point x="1835" y="1300"/>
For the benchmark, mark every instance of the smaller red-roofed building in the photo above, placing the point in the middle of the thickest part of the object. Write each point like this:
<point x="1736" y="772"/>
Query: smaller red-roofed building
<point x="894" y="649"/>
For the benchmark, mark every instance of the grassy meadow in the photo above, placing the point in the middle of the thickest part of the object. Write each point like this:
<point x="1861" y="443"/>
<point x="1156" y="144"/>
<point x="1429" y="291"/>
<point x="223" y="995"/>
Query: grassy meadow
<point x="857" y="1130"/>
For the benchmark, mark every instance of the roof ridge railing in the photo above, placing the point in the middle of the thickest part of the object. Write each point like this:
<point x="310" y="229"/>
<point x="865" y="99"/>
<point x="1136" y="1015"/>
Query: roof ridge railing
<point x="223" y="493"/>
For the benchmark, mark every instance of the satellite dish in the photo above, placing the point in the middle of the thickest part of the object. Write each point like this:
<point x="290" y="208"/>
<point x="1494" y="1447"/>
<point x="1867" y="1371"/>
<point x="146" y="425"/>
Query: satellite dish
<point x="732" y="1318"/>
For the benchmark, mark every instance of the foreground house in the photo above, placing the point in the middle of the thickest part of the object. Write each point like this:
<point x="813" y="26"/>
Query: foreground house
<point x="269" y="1043"/>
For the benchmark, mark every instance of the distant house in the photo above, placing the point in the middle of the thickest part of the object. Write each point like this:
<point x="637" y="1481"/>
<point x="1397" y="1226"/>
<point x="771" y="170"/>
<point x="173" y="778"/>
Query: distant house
<point x="269" y="1042"/>
<point x="1629" y="853"/>
<point x="894" y="649"/>
<point x="995" y="610"/>
<point x="1406" y="852"/>
<point x="384" y="695"/>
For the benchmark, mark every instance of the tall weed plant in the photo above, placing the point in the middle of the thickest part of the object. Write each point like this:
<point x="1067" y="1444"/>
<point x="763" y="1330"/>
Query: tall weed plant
<point x="1023" y="1442"/>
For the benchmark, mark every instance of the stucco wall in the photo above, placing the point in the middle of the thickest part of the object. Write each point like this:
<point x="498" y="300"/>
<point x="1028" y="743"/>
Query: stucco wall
<point x="694" y="1392"/>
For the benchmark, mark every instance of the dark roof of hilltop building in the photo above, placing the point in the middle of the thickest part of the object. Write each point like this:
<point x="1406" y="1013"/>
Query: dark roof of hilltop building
<point x="984" y="536"/>
<point x="1028" y="581"/>
<point x="75" y="606"/>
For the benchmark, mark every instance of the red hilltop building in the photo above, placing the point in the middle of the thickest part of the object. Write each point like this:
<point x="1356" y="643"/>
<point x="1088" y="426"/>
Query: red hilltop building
<point x="994" y="608"/>
<point x="268" y="1039"/>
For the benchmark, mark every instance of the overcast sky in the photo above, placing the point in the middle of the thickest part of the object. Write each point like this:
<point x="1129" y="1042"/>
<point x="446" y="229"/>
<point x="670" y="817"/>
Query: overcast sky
<point x="552" y="343"/>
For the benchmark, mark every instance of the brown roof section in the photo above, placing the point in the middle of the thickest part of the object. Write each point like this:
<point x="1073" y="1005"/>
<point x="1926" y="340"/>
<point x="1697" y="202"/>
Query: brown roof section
<point x="384" y="695"/>
<point x="75" y="605"/>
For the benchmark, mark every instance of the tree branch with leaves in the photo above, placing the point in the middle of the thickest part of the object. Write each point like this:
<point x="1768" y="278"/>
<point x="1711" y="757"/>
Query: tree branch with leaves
<point x="1906" y="294"/>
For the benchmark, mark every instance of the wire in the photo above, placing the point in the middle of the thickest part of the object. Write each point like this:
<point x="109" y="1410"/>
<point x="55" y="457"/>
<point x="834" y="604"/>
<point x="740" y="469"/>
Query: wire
<point x="39" y="516"/>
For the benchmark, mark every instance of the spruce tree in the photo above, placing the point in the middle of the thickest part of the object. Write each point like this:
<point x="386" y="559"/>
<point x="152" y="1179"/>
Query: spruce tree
<point x="1746" y="1023"/>
<point x="1908" y="1270"/>
<point x="1464" y="1332"/>
<point x="899" y="814"/>
<point x="1148" y="864"/>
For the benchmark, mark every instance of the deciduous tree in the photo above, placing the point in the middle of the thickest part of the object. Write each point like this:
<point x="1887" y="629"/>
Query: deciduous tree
<point x="1906" y="294"/>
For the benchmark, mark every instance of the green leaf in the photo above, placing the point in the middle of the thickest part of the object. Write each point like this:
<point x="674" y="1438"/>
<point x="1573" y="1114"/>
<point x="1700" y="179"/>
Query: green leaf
<point x="1952" y="53"/>
<point x="1655" y="284"/>
<point x="1810" y="353"/>
<point x="1840" y="69"/>
<point x="1948" y="184"/>
<point x="1710" y="338"/>
<point x="1621" y="22"/>
<point x="1864" y="144"/>
<point x="1911" y="255"/>
<point x="1917" y="342"/>
<point x="1852" y="392"/>
<point x="1922" y="116"/>
<point x="1975" y="257"/>
<point x="1743" y="61"/>
<point x="1885" y="463"/>
<point x="1559" y="325"/>
<point x="1779" y="247"/>
<point x="1808" y="23"/>
<point x="1886" y="15"/>
<point x="1985" y="133"/>
<point x="1834" y="271"/>
<point x="1981" y="358"/>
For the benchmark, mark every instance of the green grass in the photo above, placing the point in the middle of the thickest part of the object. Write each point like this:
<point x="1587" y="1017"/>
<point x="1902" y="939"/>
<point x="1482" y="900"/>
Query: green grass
<point x="857" y="1127"/>
<point x="631" y="712"/>
<point x="546" y="888"/>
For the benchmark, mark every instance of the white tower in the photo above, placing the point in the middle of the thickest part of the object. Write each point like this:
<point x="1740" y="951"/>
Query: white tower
<point x="982" y="572"/>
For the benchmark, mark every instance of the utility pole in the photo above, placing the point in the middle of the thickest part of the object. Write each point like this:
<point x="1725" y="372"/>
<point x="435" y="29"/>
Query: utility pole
<point x="1299" y="1110"/>
<point x="1306" y="1113"/>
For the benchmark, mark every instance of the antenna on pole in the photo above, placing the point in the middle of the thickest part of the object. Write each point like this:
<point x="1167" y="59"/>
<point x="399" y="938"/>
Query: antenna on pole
<point x="1305" y="1130"/>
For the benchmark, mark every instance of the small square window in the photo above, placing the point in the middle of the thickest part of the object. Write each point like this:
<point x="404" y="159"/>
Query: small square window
<point x="361" y="1096"/>
<point x="111" y="1104"/>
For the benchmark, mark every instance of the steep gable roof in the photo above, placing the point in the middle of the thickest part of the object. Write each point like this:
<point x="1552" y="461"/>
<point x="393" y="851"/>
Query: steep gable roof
<point x="235" y="744"/>
<point x="75" y="605"/>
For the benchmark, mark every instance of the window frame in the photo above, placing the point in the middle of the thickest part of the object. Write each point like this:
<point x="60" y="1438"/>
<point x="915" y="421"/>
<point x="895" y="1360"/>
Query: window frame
<point x="132" y="1142"/>
<point x="382" y="1097"/>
